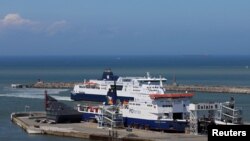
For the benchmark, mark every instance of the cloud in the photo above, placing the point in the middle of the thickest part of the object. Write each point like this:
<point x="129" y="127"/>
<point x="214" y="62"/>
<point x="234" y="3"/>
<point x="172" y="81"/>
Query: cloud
<point x="14" y="22"/>
<point x="14" y="19"/>
<point x="56" y="27"/>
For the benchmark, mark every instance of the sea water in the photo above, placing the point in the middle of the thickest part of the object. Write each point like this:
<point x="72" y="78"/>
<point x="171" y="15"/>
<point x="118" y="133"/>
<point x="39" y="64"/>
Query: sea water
<point x="197" y="70"/>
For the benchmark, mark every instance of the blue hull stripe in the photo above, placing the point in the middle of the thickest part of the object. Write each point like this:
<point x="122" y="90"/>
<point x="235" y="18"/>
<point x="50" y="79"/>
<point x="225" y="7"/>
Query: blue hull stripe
<point x="95" y="97"/>
<point x="150" y="124"/>
<point x="156" y="124"/>
<point x="88" y="116"/>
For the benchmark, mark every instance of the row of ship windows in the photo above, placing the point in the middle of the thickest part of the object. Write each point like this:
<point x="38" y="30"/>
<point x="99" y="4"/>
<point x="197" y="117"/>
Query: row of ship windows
<point x="167" y="106"/>
<point x="134" y="104"/>
<point x="150" y="105"/>
<point x="112" y="86"/>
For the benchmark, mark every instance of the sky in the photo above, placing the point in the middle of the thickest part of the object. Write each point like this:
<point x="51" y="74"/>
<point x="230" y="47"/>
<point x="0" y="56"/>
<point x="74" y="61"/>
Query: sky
<point x="124" y="27"/>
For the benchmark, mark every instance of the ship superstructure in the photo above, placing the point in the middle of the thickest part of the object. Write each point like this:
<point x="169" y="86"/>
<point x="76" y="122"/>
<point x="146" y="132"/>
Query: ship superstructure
<point x="128" y="88"/>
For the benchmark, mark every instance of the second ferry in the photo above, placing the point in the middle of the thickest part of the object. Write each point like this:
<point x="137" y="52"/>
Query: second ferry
<point x="128" y="88"/>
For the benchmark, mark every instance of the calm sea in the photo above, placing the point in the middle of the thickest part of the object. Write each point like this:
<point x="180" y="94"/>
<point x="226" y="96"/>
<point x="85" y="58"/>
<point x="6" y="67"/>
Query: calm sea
<point x="200" y="70"/>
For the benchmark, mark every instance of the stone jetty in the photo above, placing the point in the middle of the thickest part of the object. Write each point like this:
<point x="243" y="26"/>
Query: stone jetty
<point x="208" y="89"/>
<point x="189" y="88"/>
<point x="52" y="85"/>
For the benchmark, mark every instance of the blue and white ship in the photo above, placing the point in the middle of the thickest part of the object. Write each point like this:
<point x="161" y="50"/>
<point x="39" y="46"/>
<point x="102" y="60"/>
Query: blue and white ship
<point x="127" y="87"/>
<point x="164" y="112"/>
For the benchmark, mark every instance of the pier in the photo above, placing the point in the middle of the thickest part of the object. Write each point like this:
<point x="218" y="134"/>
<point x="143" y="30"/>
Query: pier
<point x="189" y="88"/>
<point x="35" y="123"/>
<point x="53" y="85"/>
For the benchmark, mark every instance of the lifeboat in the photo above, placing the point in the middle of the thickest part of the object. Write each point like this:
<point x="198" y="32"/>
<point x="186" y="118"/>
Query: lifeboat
<point x="171" y="95"/>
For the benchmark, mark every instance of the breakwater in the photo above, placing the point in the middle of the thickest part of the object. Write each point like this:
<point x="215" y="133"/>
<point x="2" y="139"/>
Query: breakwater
<point x="51" y="85"/>
<point x="208" y="89"/>
<point x="189" y="88"/>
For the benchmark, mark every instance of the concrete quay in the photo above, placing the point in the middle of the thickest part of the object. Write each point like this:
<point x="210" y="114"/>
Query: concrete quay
<point x="34" y="123"/>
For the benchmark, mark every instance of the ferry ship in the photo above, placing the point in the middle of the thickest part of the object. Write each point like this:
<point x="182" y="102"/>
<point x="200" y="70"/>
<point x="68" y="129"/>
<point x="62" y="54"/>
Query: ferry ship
<point x="127" y="87"/>
<point x="163" y="112"/>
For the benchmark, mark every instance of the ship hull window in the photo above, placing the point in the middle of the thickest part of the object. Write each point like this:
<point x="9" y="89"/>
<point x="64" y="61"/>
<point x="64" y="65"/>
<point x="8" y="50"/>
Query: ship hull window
<point x="118" y="87"/>
<point x="177" y="116"/>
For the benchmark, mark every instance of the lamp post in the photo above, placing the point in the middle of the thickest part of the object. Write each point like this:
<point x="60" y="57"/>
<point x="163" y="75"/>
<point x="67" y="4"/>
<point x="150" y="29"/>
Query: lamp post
<point x="102" y="124"/>
<point x="26" y="108"/>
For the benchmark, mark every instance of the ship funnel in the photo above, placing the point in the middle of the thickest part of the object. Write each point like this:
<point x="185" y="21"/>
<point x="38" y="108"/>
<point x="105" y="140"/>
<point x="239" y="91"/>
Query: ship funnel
<point x="161" y="81"/>
<point x="112" y="95"/>
<point x="148" y="75"/>
<point x="108" y="75"/>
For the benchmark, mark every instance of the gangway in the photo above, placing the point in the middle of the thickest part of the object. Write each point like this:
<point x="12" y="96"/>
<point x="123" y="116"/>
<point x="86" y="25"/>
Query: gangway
<point x="217" y="113"/>
<point x="110" y="117"/>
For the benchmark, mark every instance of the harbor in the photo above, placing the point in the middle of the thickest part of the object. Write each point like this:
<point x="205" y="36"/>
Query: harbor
<point x="61" y="120"/>
<point x="132" y="121"/>
<point x="133" y="108"/>
<point x="35" y="123"/>
<point x="124" y="70"/>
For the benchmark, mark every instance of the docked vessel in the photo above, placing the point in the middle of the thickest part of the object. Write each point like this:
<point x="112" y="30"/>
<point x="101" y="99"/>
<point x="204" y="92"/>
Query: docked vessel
<point x="164" y="112"/>
<point x="127" y="87"/>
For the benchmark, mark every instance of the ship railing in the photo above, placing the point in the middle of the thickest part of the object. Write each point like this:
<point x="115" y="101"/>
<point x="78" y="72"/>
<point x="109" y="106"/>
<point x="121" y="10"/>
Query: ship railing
<point x="231" y="114"/>
<point x="228" y="119"/>
<point x="226" y="106"/>
<point x="236" y="112"/>
<point x="114" y="116"/>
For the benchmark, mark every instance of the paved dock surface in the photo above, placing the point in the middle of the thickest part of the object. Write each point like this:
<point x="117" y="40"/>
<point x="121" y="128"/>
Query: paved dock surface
<point x="34" y="123"/>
